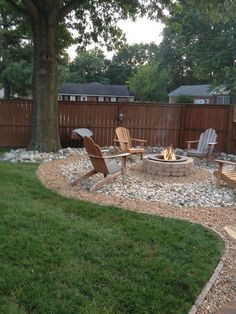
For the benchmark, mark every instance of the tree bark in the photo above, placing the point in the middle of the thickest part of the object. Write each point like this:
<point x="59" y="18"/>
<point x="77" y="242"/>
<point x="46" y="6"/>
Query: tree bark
<point x="45" y="129"/>
<point x="4" y="55"/>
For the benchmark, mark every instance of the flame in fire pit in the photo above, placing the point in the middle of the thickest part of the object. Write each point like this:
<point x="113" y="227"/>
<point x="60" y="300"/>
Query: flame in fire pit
<point x="168" y="153"/>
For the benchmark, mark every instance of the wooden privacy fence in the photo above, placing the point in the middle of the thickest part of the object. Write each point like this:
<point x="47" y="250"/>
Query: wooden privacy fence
<point x="161" y="124"/>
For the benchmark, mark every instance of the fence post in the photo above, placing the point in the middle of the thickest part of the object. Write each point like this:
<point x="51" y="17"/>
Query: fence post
<point x="229" y="129"/>
<point x="182" y="126"/>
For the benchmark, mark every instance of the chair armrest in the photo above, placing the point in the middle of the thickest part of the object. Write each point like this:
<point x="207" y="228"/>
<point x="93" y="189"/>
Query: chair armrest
<point x="117" y="155"/>
<point x="110" y="156"/>
<point x="227" y="162"/>
<point x="136" y="139"/>
<point x="125" y="142"/>
<point x="191" y="142"/>
<point x="213" y="143"/>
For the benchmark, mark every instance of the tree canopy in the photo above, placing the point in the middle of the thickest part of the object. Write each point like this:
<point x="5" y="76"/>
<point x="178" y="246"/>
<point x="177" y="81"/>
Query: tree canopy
<point x="198" y="47"/>
<point x="95" y="21"/>
<point x="89" y="66"/>
<point x="15" y="54"/>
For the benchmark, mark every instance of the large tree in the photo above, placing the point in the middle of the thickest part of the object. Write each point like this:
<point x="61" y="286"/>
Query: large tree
<point x="95" y="20"/>
<point x="150" y="82"/>
<point x="89" y="66"/>
<point x="198" y="47"/>
<point x="127" y="59"/>
<point x="15" y="54"/>
<point x="202" y="40"/>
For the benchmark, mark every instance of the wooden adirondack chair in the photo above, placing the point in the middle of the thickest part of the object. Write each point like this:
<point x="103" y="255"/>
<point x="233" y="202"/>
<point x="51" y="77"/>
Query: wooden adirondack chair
<point x="100" y="165"/>
<point x="225" y="174"/>
<point x="125" y="142"/>
<point x="206" y="144"/>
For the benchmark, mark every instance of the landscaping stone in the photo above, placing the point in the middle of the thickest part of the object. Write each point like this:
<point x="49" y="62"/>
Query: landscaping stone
<point x="231" y="230"/>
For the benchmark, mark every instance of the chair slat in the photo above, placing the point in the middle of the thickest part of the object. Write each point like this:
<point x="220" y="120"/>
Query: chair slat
<point x="100" y="166"/>
<point x="124" y="139"/>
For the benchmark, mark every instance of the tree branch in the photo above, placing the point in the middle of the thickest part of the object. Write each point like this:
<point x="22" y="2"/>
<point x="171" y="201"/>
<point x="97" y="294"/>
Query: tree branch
<point x="70" y="6"/>
<point x="18" y="8"/>
<point x="31" y="7"/>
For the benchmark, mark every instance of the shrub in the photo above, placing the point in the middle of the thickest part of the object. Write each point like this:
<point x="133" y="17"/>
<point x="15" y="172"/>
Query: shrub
<point x="184" y="99"/>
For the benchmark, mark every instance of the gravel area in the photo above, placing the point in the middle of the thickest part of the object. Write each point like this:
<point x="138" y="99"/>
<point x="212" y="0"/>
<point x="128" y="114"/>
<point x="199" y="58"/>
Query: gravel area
<point x="195" y="190"/>
<point x="193" y="198"/>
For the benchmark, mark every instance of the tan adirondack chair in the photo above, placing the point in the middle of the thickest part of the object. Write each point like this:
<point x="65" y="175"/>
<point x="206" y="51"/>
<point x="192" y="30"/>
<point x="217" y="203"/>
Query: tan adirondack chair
<point x="227" y="174"/>
<point x="125" y="142"/>
<point x="100" y="165"/>
<point x="205" y="146"/>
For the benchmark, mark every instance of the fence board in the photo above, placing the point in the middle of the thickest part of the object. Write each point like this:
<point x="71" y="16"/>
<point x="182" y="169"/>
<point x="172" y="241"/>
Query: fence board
<point x="15" y="123"/>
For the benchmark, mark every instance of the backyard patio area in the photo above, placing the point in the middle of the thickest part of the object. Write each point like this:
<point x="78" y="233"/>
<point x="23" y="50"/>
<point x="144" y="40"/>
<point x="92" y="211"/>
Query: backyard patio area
<point x="192" y="198"/>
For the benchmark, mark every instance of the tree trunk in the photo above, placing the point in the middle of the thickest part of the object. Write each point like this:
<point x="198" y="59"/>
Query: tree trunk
<point x="45" y="131"/>
<point x="5" y="55"/>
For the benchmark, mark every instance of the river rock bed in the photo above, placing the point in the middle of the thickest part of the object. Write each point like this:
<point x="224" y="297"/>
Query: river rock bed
<point x="197" y="190"/>
<point x="22" y="155"/>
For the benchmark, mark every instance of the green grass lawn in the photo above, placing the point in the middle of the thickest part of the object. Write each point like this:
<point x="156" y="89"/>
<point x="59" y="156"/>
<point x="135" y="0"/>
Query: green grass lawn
<point x="60" y="255"/>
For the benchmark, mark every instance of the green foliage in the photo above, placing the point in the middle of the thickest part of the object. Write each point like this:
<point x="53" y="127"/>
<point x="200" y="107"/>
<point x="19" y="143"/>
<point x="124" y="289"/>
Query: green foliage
<point x="184" y="99"/>
<point x="93" y="66"/>
<point x="202" y="46"/>
<point x="18" y="74"/>
<point x="150" y="83"/>
<point x="127" y="59"/>
<point x="15" y="54"/>
<point x="89" y="66"/>
<point x="60" y="255"/>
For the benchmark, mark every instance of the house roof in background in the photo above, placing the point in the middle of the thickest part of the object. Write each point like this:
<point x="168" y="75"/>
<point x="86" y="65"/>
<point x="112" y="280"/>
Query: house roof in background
<point x="198" y="90"/>
<point x="94" y="89"/>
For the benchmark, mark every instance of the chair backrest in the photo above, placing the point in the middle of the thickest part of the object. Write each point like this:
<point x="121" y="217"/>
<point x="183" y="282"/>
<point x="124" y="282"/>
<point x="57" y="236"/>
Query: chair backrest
<point x="123" y="135"/>
<point x="209" y="136"/>
<point x="95" y="155"/>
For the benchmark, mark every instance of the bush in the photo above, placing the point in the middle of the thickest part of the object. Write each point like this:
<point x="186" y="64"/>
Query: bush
<point x="184" y="99"/>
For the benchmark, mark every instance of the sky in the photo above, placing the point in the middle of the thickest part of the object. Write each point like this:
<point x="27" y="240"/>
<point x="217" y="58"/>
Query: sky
<point x="140" y="31"/>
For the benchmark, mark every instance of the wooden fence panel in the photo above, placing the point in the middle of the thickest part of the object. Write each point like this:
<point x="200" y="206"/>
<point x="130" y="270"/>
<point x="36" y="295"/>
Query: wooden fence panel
<point x="71" y="116"/>
<point x="233" y="140"/>
<point x="15" y="123"/>
<point x="100" y="118"/>
<point x="201" y="117"/>
<point x="159" y="124"/>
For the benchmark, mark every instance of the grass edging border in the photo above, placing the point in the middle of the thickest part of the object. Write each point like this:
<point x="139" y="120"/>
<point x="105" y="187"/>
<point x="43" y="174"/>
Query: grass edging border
<point x="201" y="297"/>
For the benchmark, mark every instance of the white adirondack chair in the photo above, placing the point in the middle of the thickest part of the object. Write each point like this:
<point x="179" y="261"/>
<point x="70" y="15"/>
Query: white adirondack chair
<point x="205" y="145"/>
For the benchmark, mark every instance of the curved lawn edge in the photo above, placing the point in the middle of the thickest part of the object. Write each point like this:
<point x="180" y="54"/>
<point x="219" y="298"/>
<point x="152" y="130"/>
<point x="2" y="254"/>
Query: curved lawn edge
<point x="203" y="294"/>
<point x="65" y="189"/>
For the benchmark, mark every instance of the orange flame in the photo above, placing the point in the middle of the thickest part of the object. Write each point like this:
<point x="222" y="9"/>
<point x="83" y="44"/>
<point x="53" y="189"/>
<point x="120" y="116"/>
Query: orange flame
<point x="168" y="153"/>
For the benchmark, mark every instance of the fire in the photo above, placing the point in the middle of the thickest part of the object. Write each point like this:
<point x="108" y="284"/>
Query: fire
<point x="168" y="153"/>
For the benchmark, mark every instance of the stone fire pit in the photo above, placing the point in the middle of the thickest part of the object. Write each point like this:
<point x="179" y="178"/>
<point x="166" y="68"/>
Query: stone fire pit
<point x="157" y="165"/>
